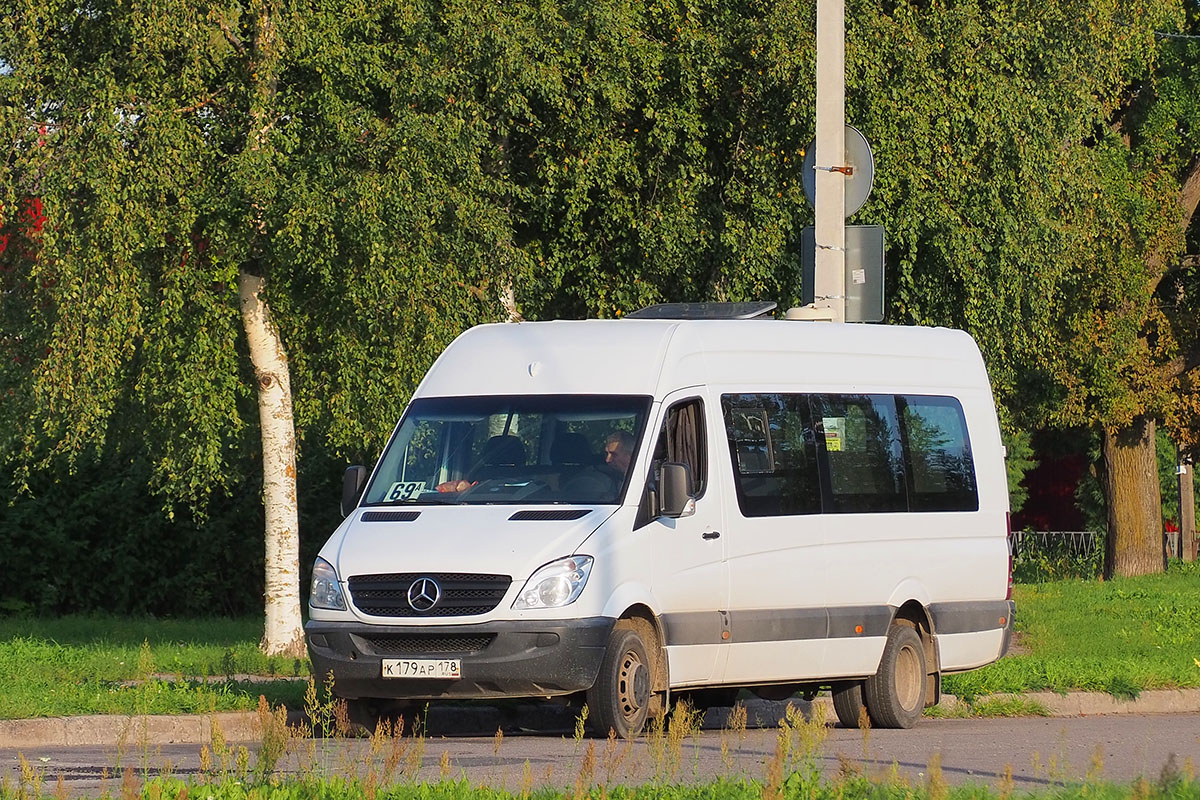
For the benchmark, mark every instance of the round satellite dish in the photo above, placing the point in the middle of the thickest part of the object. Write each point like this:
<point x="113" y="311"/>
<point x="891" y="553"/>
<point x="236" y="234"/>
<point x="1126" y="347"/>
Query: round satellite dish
<point x="858" y="185"/>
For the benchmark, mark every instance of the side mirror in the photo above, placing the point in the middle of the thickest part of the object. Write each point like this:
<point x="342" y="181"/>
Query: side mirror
<point x="352" y="486"/>
<point x="675" y="490"/>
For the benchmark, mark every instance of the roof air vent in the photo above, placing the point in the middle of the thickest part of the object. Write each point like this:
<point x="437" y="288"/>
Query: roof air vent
<point x="757" y="310"/>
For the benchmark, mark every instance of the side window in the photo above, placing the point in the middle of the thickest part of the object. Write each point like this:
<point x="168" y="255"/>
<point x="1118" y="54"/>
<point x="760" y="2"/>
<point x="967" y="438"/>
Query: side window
<point x="682" y="440"/>
<point x="772" y="445"/>
<point x="940" y="467"/>
<point x="861" y="436"/>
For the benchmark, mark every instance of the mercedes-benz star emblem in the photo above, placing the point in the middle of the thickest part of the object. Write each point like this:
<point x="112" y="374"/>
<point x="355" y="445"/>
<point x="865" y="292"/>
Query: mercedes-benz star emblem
<point x="424" y="594"/>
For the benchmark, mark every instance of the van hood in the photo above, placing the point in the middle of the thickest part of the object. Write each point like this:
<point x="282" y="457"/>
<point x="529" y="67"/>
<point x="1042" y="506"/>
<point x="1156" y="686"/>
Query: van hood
<point x="462" y="539"/>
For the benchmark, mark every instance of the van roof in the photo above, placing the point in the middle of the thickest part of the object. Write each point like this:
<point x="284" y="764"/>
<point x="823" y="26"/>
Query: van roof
<point x="656" y="356"/>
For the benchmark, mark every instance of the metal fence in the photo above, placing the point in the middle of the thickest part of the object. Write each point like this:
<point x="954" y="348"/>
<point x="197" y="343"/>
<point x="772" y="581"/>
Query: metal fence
<point x="1053" y="555"/>
<point x="1040" y="544"/>
<point x="1047" y="555"/>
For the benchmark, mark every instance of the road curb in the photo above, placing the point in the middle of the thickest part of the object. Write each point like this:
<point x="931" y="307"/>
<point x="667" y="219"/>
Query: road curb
<point x="1087" y="704"/>
<point x="117" y="729"/>
<point x="114" y="729"/>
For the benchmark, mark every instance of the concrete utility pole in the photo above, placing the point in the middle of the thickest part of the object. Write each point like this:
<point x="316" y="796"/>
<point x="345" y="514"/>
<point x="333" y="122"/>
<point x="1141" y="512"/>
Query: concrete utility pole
<point x="830" y="188"/>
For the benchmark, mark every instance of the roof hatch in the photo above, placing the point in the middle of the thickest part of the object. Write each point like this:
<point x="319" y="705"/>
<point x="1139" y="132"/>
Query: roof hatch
<point x="757" y="310"/>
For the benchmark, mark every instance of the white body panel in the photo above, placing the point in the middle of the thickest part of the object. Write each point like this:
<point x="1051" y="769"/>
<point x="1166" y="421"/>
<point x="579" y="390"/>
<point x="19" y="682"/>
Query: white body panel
<point x="793" y="583"/>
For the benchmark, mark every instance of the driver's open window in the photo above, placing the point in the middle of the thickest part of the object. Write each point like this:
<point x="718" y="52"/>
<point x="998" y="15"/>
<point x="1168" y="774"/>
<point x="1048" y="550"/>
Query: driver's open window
<point x="682" y="440"/>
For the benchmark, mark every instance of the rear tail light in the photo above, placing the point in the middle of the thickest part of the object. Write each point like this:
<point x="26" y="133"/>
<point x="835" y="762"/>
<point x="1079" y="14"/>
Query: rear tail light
<point x="1008" y="527"/>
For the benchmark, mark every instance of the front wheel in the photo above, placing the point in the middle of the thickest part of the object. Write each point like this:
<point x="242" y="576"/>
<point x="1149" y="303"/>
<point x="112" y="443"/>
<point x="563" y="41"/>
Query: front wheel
<point x="620" y="698"/>
<point x="895" y="695"/>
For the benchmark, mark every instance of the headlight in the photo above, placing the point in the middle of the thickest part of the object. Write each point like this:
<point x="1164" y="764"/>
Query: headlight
<point x="556" y="584"/>
<point x="326" y="591"/>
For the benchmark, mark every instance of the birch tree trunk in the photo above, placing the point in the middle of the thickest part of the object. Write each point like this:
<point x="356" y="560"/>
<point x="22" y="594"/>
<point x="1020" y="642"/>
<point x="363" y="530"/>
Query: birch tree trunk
<point x="284" y="631"/>
<point x="1134" y="545"/>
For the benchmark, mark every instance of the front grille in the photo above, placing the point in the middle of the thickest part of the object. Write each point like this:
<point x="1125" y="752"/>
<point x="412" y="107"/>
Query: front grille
<point x="415" y="644"/>
<point x="462" y="595"/>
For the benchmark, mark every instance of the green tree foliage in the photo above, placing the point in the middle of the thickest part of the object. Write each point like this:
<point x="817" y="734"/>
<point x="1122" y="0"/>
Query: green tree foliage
<point x="1034" y="166"/>
<point x="172" y="151"/>
<point x="398" y="171"/>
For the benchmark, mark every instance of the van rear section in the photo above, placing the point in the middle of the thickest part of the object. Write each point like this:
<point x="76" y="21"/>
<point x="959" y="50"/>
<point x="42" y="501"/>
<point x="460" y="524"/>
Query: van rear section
<point x="621" y="511"/>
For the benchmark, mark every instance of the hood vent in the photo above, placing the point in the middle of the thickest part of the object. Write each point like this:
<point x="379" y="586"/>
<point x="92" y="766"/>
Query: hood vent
<point x="550" y="515"/>
<point x="390" y="516"/>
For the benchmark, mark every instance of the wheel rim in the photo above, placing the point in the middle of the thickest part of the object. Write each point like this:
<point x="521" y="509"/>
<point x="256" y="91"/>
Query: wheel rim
<point x="633" y="685"/>
<point x="909" y="677"/>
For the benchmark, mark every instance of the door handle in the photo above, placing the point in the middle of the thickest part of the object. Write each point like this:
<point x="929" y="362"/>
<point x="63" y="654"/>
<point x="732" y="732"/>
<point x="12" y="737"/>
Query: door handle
<point x="711" y="535"/>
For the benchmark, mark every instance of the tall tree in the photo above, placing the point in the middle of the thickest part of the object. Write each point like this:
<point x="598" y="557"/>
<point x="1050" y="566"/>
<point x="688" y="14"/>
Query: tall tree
<point x="1026" y="202"/>
<point x="1144" y="350"/>
<point x="263" y="203"/>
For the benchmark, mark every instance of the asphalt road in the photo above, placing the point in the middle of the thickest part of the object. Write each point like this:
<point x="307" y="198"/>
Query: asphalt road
<point x="1035" y="751"/>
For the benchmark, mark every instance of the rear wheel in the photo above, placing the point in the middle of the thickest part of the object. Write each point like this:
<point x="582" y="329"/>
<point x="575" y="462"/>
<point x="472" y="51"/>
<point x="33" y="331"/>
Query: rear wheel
<point x="620" y="699"/>
<point x="848" y="703"/>
<point x="895" y="695"/>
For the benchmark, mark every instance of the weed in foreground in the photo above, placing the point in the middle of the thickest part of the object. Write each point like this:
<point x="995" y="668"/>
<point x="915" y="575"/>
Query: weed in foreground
<point x="587" y="771"/>
<point x="1007" y="784"/>
<point x="29" y="779"/>
<point x="616" y="752"/>
<point x="1096" y="767"/>
<point x="936" y="786"/>
<point x="735" y="728"/>
<point x="526" y="780"/>
<point x="580" y="726"/>
<point x="665" y="739"/>
<point x="795" y="769"/>
<point x="1059" y="767"/>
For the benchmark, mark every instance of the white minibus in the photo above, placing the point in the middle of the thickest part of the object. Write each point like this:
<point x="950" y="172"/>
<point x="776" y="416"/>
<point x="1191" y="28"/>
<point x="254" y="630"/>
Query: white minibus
<point x="684" y="500"/>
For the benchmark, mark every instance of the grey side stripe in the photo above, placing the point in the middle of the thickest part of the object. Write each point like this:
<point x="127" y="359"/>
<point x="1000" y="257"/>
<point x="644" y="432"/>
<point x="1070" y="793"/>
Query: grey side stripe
<point x="873" y="619"/>
<point x="970" y="617"/>
<point x="779" y="625"/>
<point x="695" y="627"/>
<point x="842" y="622"/>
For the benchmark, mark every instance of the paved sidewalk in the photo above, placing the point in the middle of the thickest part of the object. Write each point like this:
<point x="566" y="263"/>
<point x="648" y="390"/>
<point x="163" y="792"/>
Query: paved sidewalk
<point x="483" y="720"/>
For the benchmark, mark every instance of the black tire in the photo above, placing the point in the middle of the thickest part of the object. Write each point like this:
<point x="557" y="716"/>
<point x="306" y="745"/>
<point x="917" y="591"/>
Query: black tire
<point x="621" y="697"/>
<point x="895" y="696"/>
<point x="848" y="703"/>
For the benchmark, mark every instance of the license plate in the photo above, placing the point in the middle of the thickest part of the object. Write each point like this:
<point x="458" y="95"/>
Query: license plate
<point x="422" y="668"/>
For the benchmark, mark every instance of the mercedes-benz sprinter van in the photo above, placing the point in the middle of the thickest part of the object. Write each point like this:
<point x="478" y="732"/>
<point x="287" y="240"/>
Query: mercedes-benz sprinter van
<point x="623" y="509"/>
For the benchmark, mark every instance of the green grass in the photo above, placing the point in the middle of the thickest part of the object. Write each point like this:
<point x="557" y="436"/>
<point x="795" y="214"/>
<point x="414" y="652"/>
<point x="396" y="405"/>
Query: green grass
<point x="111" y="665"/>
<point x="850" y="789"/>
<point x="803" y="783"/>
<point x="1121" y="636"/>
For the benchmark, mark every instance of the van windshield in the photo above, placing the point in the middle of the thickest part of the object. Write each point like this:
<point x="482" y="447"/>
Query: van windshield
<point x="574" y="449"/>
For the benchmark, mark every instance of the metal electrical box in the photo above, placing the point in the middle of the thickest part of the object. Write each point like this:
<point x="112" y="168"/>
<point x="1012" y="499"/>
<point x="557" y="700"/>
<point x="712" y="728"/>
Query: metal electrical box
<point x="864" y="271"/>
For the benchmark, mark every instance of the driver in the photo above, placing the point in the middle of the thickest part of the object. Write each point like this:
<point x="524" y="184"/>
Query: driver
<point x="618" y="452"/>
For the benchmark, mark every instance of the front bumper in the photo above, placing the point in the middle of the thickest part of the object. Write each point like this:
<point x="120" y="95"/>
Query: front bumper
<point x="499" y="659"/>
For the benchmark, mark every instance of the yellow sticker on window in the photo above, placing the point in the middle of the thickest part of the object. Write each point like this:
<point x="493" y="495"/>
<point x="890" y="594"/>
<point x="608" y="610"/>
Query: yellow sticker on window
<point x="835" y="428"/>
